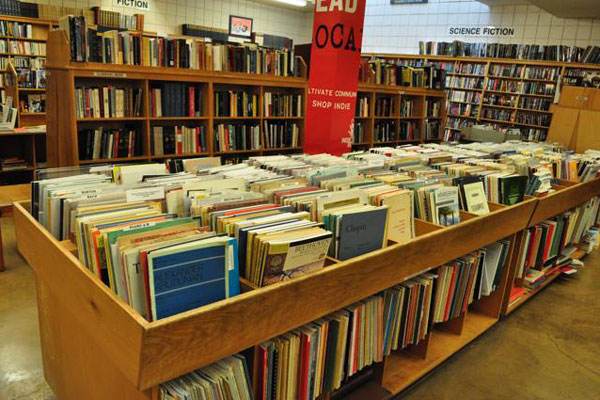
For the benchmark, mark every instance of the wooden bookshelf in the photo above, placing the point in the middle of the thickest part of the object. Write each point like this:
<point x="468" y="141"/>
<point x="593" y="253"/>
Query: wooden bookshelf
<point x="66" y="76"/>
<point x="29" y="147"/>
<point x="418" y="117"/>
<point x="566" y="196"/>
<point x="134" y="361"/>
<point x="564" y="70"/>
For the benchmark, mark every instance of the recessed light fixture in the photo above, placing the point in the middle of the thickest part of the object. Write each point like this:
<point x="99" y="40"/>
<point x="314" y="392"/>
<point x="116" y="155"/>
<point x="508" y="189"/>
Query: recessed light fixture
<point x="297" y="3"/>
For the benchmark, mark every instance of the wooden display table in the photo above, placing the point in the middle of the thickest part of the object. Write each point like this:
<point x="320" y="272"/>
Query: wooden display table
<point x="9" y="195"/>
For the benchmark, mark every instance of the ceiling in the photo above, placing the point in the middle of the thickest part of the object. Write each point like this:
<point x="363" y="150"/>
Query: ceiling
<point x="559" y="8"/>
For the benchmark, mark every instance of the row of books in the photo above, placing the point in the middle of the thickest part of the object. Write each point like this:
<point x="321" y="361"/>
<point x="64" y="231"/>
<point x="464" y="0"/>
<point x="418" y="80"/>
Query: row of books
<point x="409" y="130"/>
<point x="282" y="105"/>
<point x="407" y="107"/>
<point x="533" y="118"/>
<point x="88" y="45"/>
<point x="115" y="19"/>
<point x="25" y="62"/>
<point x="462" y="109"/>
<point x="236" y="137"/>
<point x="385" y="106"/>
<point x="108" y="102"/>
<point x="501" y="85"/>
<point x="590" y="54"/>
<point x="547" y="89"/>
<point x="542" y="73"/>
<point x="281" y="134"/>
<point x="496" y="99"/>
<point x="533" y="103"/>
<point x="102" y="143"/>
<point x="467" y="68"/>
<point x="113" y="47"/>
<point x="432" y="129"/>
<point x="384" y="131"/>
<point x="497" y="114"/>
<point x="179" y="140"/>
<point x="32" y="78"/>
<point x="462" y="82"/>
<point x="457" y="95"/>
<point x="433" y="108"/>
<point x="176" y="99"/>
<point x="506" y="70"/>
<point x="362" y="106"/>
<point x="22" y="48"/>
<point x="359" y="132"/>
<point x="392" y="72"/>
<point x="16" y="29"/>
<point x="236" y="103"/>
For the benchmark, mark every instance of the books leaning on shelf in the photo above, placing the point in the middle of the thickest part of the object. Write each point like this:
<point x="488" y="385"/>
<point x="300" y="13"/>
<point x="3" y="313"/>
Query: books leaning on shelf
<point x="393" y="72"/>
<point x="174" y="99"/>
<point x="104" y="143"/>
<point x="232" y="103"/>
<point x="282" y="105"/>
<point x="86" y="44"/>
<point x="113" y="19"/>
<point x="178" y="140"/>
<point x="108" y="102"/>
<point x="229" y="375"/>
<point x="281" y="134"/>
<point x="237" y="137"/>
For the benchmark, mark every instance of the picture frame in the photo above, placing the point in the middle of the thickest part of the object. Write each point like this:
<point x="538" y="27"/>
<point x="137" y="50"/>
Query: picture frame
<point x="240" y="26"/>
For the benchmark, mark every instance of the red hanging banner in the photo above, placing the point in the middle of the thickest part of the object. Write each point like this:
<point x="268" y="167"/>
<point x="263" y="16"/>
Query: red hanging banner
<point x="333" y="80"/>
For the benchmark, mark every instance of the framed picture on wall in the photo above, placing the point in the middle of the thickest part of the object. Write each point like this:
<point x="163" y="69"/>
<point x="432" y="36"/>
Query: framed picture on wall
<point x="240" y="26"/>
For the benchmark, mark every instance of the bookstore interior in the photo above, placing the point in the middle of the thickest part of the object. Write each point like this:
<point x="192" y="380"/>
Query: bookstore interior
<point x="270" y="200"/>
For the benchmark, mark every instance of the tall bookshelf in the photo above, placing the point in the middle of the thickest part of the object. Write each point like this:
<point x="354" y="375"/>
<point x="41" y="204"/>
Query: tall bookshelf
<point x="415" y="115"/>
<point x="19" y="68"/>
<point x="145" y="354"/>
<point x="64" y="127"/>
<point x="500" y="92"/>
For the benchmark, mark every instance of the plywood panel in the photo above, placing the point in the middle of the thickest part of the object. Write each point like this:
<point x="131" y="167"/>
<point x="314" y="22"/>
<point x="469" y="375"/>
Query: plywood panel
<point x="563" y="126"/>
<point x="588" y="131"/>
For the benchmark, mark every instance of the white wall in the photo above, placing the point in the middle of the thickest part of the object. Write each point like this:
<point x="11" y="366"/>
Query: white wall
<point x="399" y="28"/>
<point x="166" y="16"/>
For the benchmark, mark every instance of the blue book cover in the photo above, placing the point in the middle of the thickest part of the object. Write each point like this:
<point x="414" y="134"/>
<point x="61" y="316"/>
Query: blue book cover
<point x="186" y="278"/>
<point x="362" y="232"/>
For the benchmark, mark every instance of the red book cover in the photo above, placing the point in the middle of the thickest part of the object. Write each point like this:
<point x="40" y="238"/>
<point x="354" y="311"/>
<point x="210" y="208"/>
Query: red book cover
<point x="451" y="292"/>
<point x="115" y="152"/>
<point x="226" y="138"/>
<point x="534" y="244"/>
<point x="191" y="101"/>
<point x="469" y="286"/>
<point x="548" y="244"/>
<point x="358" y="339"/>
<point x="304" y="366"/>
<point x="409" y="316"/>
<point x="261" y="389"/>
<point x="144" y="268"/>
<point x="178" y="141"/>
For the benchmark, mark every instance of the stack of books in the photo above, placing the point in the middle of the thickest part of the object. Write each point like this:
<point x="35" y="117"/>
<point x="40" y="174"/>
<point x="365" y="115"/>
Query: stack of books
<point x="108" y="102"/>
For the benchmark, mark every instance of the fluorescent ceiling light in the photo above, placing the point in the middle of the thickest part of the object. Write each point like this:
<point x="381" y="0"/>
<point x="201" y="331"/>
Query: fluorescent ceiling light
<point x="297" y="3"/>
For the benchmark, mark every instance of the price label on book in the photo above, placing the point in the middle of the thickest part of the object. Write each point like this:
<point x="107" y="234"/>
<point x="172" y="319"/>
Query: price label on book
<point x="145" y="194"/>
<point x="110" y="74"/>
<point x="333" y="80"/>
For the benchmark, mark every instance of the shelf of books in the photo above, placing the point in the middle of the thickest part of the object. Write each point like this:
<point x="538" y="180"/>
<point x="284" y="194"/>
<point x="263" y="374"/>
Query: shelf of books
<point x="503" y="92"/>
<point x="22" y="82"/>
<point x="322" y="282"/>
<point x="392" y="116"/>
<point x="132" y="112"/>
<point x="553" y="238"/>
